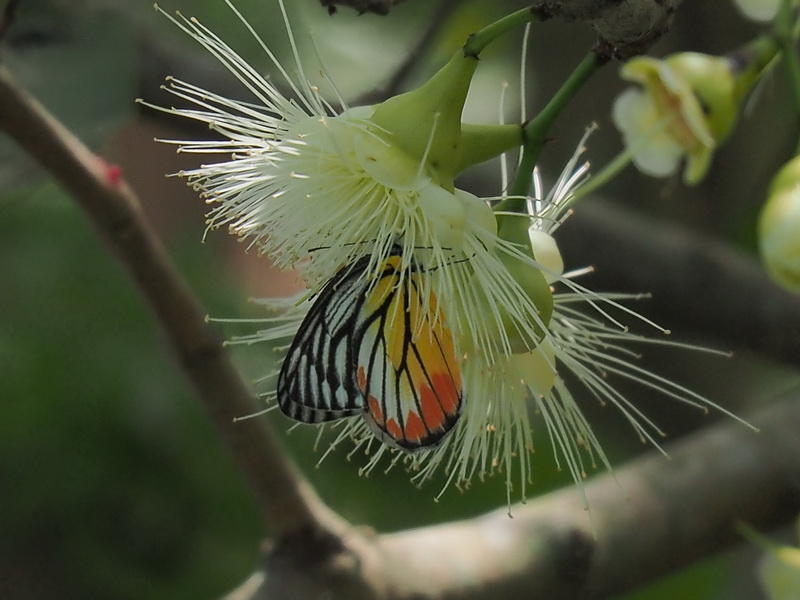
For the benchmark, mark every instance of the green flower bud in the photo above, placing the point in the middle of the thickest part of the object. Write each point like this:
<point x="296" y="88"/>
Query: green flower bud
<point x="685" y="108"/>
<point x="426" y="122"/>
<point x="779" y="227"/>
<point x="688" y="104"/>
<point x="779" y="572"/>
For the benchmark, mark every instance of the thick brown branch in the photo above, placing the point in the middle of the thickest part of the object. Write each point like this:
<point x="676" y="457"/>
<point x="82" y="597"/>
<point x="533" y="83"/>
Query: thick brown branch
<point x="652" y="517"/>
<point x="287" y="502"/>
<point x="628" y="26"/>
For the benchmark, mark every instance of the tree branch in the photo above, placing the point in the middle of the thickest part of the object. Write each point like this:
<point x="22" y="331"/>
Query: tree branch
<point x="630" y="27"/>
<point x="288" y="505"/>
<point x="651" y="517"/>
<point x="738" y="303"/>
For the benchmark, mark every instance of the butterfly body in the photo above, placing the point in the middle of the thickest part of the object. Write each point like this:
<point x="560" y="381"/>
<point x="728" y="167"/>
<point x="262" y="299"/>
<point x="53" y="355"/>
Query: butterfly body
<point x="375" y="346"/>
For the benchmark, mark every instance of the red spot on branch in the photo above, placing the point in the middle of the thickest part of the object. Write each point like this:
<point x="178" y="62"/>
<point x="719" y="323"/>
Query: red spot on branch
<point x="113" y="173"/>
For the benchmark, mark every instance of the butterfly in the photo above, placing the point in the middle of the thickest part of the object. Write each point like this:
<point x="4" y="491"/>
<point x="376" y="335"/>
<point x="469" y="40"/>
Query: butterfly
<point x="375" y="346"/>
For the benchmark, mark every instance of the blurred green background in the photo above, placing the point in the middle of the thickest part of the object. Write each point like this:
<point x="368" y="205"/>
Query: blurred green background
<point x="112" y="484"/>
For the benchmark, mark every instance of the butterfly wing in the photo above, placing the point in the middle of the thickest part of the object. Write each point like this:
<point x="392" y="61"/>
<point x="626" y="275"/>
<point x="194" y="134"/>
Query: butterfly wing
<point x="407" y="368"/>
<point x="317" y="379"/>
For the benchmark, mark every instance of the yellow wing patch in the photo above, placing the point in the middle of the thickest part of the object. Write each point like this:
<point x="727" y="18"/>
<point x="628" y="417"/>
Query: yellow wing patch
<point x="407" y="365"/>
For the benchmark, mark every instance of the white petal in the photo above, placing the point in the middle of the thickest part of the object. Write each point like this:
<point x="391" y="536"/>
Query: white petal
<point x="537" y="368"/>
<point x="479" y="215"/>
<point x="546" y="253"/>
<point x="446" y="214"/>
<point x="654" y="151"/>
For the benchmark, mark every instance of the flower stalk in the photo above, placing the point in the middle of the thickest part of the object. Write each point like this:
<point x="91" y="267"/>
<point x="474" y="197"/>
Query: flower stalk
<point x="479" y="40"/>
<point x="537" y="129"/>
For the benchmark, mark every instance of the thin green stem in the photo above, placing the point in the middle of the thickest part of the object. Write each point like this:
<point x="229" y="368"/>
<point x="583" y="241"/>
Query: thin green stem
<point x="535" y="132"/>
<point x="478" y="41"/>
<point x="534" y="137"/>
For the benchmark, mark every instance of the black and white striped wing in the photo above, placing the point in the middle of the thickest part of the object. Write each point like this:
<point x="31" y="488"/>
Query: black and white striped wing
<point x="317" y="381"/>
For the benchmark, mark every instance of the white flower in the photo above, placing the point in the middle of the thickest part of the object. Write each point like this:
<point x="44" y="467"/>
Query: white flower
<point x="582" y="337"/>
<point x="508" y="390"/>
<point x="656" y="152"/>
<point x="686" y="106"/>
<point x="320" y="189"/>
<point x="317" y="189"/>
<point x="305" y="178"/>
